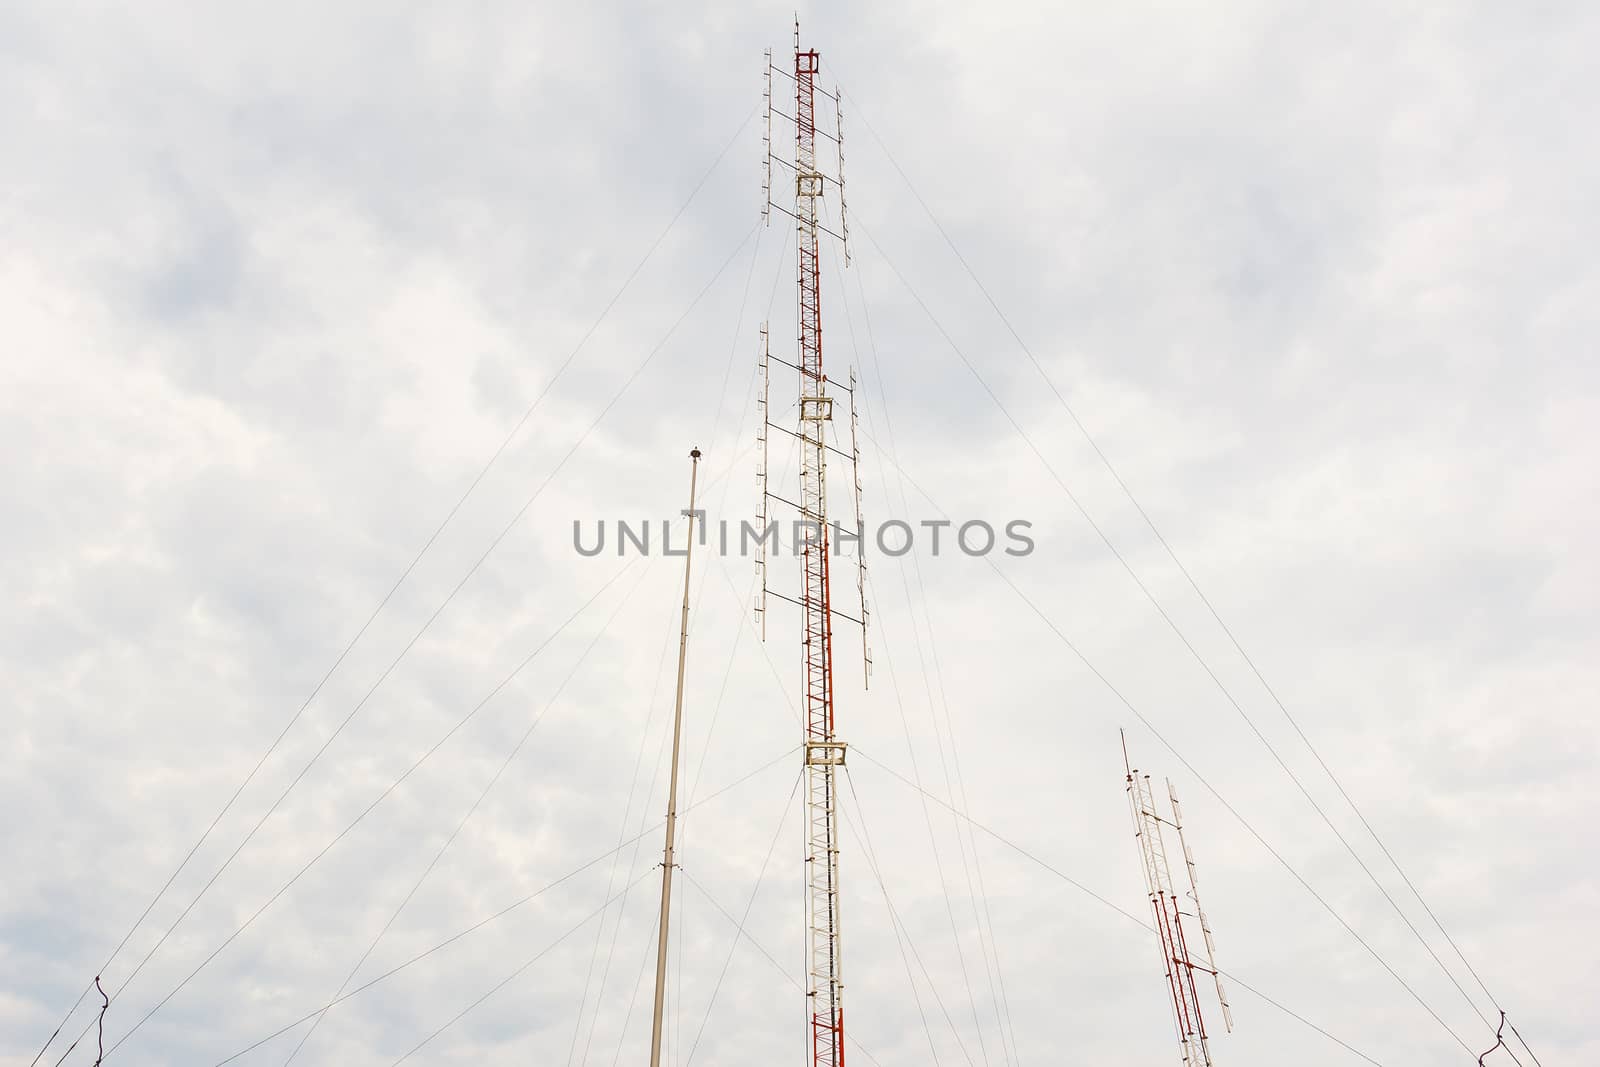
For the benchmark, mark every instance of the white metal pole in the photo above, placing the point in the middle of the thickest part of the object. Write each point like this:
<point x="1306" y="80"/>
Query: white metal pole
<point x="672" y="789"/>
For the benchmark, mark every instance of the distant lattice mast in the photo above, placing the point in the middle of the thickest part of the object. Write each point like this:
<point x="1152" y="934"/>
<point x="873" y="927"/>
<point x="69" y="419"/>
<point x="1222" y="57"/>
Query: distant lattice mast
<point x="1168" y="914"/>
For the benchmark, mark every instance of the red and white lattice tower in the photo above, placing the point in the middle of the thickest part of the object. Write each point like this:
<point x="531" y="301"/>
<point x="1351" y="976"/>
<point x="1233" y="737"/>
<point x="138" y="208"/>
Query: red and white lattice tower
<point x="1167" y="908"/>
<point x="823" y="751"/>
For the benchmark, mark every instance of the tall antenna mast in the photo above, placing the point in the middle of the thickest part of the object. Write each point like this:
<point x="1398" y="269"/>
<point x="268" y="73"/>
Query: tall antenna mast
<point x="823" y="751"/>
<point x="1169" y="914"/>
<point x="672" y="789"/>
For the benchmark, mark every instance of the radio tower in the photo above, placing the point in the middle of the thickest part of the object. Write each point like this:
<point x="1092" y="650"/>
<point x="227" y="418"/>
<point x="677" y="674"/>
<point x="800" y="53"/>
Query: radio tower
<point x="1167" y="908"/>
<point x="824" y="752"/>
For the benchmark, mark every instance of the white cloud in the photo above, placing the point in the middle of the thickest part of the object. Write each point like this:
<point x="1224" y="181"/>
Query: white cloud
<point x="276" y="283"/>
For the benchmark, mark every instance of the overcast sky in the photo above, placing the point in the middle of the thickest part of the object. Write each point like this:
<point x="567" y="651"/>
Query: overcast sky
<point x="278" y="281"/>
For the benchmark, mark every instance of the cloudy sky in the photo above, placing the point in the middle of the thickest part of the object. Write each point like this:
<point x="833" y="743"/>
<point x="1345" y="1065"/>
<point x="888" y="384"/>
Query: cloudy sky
<point x="280" y="285"/>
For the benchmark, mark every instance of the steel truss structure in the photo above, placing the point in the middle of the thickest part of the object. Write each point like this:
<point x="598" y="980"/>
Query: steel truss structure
<point x="824" y="750"/>
<point x="1167" y="908"/>
<point x="824" y="753"/>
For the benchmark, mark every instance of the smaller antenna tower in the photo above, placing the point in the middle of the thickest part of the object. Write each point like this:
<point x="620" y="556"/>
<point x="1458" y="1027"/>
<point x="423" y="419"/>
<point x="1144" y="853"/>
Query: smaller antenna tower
<point x="1169" y="911"/>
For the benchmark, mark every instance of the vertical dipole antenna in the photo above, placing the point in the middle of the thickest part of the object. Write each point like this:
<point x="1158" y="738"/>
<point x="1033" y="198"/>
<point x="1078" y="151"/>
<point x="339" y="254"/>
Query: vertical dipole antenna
<point x="861" y="523"/>
<point x="1177" y="962"/>
<point x="764" y="408"/>
<point x="672" y="788"/>
<point x="1199" y="912"/>
<point x="838" y="144"/>
<point x="766" y="146"/>
<point x="824" y="753"/>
